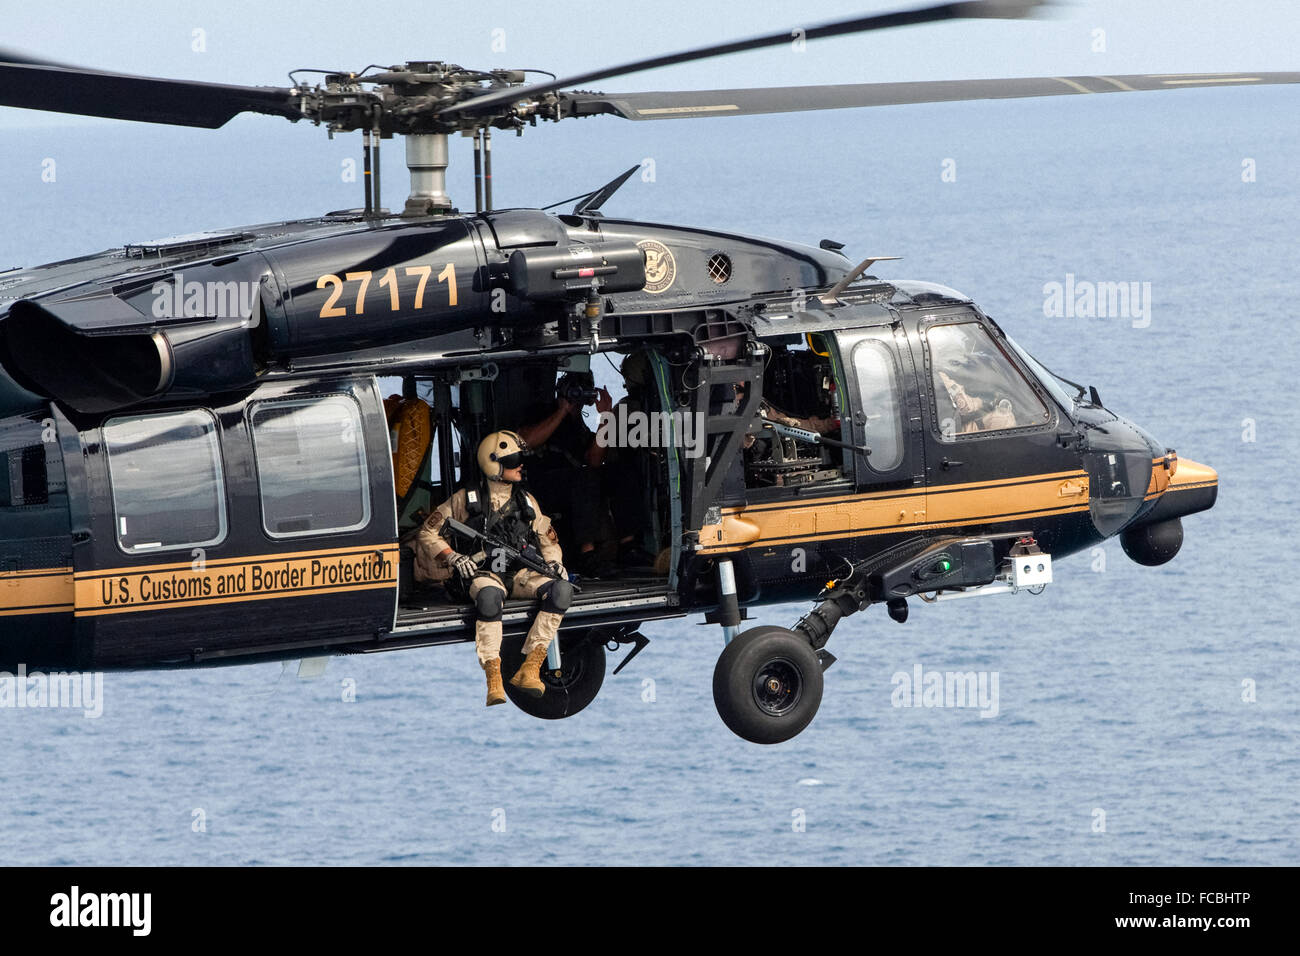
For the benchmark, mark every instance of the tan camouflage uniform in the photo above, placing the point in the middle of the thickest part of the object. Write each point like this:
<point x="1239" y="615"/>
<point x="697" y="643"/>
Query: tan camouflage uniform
<point x="432" y="552"/>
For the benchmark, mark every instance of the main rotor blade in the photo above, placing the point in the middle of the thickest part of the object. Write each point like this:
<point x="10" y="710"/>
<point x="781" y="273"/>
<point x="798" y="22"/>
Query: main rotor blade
<point x="972" y="9"/>
<point x="18" y="56"/>
<point x="783" y="99"/>
<point x="34" y="85"/>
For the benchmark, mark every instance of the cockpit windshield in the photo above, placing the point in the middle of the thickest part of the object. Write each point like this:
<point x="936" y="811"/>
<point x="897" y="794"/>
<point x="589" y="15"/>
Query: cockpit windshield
<point x="1061" y="390"/>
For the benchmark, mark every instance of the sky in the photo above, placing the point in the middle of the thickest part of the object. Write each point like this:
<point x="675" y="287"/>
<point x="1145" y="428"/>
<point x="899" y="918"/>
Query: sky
<point x="253" y="42"/>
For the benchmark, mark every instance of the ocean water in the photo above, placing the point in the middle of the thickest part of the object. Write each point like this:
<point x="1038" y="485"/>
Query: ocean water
<point x="1120" y="688"/>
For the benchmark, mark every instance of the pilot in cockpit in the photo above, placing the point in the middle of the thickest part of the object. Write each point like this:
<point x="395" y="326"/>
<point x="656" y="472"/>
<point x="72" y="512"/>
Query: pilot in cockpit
<point x="974" y="412"/>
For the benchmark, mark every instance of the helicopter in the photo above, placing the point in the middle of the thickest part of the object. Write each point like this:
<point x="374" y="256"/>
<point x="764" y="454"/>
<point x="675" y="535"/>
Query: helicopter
<point x="198" y="466"/>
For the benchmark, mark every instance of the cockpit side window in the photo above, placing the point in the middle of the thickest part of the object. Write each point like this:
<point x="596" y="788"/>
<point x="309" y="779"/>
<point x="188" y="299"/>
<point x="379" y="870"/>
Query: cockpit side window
<point x="976" y="387"/>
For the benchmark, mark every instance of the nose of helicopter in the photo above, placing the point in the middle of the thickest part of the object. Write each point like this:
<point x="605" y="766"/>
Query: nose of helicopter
<point x="1178" y="487"/>
<point x="1138" y="489"/>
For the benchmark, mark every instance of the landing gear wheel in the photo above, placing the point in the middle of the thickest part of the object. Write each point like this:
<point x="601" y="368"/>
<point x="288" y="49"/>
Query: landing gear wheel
<point x="582" y="671"/>
<point x="767" y="684"/>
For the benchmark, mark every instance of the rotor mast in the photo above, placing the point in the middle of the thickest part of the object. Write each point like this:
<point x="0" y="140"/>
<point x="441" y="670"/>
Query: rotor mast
<point x="426" y="159"/>
<point x="420" y="102"/>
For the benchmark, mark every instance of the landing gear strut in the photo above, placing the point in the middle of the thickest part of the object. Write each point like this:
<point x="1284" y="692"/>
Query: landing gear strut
<point x="767" y="684"/>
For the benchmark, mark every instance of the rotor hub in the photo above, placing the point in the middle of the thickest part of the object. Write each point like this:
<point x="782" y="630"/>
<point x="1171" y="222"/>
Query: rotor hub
<point x="418" y="98"/>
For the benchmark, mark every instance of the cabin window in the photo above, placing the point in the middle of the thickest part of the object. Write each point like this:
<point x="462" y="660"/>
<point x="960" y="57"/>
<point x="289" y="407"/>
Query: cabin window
<point x="311" y="466"/>
<point x="168" y="487"/>
<point x="976" y="388"/>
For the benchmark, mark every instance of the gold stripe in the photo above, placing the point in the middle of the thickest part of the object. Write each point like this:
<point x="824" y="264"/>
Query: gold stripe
<point x="1043" y="495"/>
<point x="236" y="560"/>
<point x="871" y="532"/>
<point x="39" y="572"/>
<point x="1009" y="499"/>
<point x="1188" y="486"/>
<point x="1189" y="474"/>
<point x="236" y="599"/>
<point x="851" y="496"/>
<point x="1183" y="486"/>
<point x="1160" y="477"/>
<point x="46" y="591"/>
<point x="232" y="580"/>
<point x="1022" y="497"/>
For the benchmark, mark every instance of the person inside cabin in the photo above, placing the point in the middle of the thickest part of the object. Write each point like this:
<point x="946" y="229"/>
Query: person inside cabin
<point x="501" y="507"/>
<point x="770" y="412"/>
<point x="563" y="470"/>
<point x="975" y="413"/>
<point x="622" y="481"/>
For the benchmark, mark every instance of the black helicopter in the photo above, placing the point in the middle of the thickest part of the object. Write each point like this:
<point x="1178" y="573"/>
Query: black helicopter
<point x="198" y="466"/>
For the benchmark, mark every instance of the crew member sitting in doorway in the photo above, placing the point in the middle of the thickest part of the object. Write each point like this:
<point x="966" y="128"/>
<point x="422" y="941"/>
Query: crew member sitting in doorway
<point x="503" y="509"/>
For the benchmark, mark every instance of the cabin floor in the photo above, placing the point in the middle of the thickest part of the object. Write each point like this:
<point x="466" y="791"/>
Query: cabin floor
<point x="430" y="605"/>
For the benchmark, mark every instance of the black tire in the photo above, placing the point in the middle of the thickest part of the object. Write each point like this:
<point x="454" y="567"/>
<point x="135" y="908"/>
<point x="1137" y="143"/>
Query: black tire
<point x="767" y="684"/>
<point x="582" y="672"/>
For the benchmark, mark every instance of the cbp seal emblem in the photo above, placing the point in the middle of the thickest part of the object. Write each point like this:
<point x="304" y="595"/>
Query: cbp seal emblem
<point x="660" y="266"/>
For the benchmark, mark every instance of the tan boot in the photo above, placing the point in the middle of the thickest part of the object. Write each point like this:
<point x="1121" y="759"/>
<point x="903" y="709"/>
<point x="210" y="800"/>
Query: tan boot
<point x="496" y="694"/>
<point x="527" y="678"/>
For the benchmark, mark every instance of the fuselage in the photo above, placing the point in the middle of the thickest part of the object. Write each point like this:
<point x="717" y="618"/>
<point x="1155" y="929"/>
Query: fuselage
<point x="207" y="342"/>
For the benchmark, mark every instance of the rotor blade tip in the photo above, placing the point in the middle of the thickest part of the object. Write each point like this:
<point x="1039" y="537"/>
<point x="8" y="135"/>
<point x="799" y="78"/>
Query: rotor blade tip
<point x="1003" y="9"/>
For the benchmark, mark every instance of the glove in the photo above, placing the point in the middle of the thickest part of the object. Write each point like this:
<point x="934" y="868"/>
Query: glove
<point x="463" y="565"/>
<point x="557" y="570"/>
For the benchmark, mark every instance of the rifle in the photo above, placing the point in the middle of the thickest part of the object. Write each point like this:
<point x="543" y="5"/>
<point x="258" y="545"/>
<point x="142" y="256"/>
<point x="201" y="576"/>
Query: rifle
<point x="802" y="434"/>
<point x="528" y="556"/>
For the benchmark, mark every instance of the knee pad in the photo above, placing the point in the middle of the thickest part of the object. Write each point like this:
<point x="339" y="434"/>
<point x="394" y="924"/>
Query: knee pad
<point x="557" y="596"/>
<point x="489" y="603"/>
